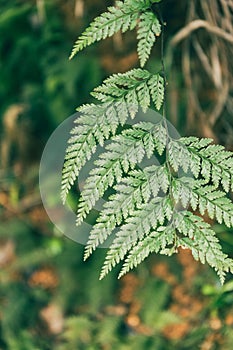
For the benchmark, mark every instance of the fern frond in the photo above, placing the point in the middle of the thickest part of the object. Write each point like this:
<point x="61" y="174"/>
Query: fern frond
<point x="122" y="17"/>
<point x="156" y="86"/>
<point x="149" y="28"/>
<point x="85" y="136"/>
<point x="197" y="236"/>
<point x="153" y="243"/>
<point x="137" y="86"/>
<point x="206" y="198"/>
<point x="137" y="226"/>
<point x="203" y="242"/>
<point x="210" y="161"/>
<point x="145" y="219"/>
<point x="99" y="122"/>
<point x="134" y="190"/>
<point x="122" y="154"/>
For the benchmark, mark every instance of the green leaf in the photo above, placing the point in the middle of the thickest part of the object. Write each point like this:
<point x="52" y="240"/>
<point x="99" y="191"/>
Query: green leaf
<point x="122" y="154"/>
<point x="203" y="243"/>
<point x="137" y="226"/>
<point x="149" y="28"/>
<point x="143" y="211"/>
<point x="209" y="200"/>
<point x="155" y="242"/>
<point x="139" y="187"/>
<point x="122" y="17"/>
<point x="137" y="87"/>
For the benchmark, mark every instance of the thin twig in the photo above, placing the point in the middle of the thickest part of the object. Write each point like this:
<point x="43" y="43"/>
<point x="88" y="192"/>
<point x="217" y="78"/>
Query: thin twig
<point x="221" y="102"/>
<point x="216" y="66"/>
<point x="203" y="58"/>
<point x="227" y="20"/>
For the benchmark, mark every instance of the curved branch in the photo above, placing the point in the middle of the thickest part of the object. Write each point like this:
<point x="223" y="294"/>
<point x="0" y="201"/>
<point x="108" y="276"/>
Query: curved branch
<point x="197" y="24"/>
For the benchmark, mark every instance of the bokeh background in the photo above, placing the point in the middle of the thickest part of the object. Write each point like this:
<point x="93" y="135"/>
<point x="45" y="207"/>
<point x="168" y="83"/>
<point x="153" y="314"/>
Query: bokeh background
<point x="49" y="298"/>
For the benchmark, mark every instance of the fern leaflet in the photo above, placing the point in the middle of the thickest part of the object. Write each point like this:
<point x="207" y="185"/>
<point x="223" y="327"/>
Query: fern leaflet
<point x="123" y="153"/>
<point x="139" y="224"/>
<point x="203" y="243"/>
<point x="155" y="242"/>
<point x="123" y="17"/>
<point x="99" y="122"/>
<point x="134" y="190"/>
<point x="149" y="28"/>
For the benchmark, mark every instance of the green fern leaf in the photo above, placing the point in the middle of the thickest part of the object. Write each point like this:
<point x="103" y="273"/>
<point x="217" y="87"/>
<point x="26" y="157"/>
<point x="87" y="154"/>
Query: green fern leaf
<point x="137" y="226"/>
<point x="145" y="219"/>
<point x="207" y="198"/>
<point x="197" y="236"/>
<point x="99" y="122"/>
<point x="213" y="162"/>
<point x="156" y="86"/>
<point x="124" y="153"/>
<point x="134" y="190"/>
<point x="122" y="17"/>
<point x="82" y="143"/>
<point x="149" y="28"/>
<point x="154" y="243"/>
<point x="137" y="86"/>
<point x="203" y="242"/>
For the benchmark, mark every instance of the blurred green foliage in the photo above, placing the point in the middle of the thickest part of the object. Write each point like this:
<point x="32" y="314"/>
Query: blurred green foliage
<point x="49" y="299"/>
<point x="34" y="67"/>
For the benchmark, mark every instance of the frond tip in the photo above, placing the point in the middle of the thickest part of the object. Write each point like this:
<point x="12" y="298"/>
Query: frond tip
<point x="123" y="17"/>
<point x="149" y="28"/>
